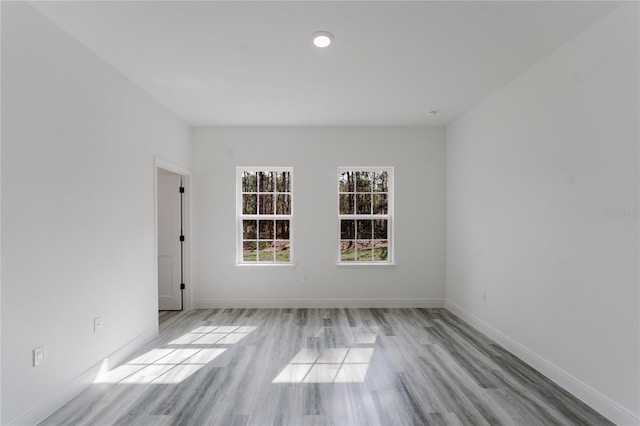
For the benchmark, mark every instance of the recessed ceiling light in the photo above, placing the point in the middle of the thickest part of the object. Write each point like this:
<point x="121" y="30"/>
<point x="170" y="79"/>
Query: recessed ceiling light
<point x="322" y="38"/>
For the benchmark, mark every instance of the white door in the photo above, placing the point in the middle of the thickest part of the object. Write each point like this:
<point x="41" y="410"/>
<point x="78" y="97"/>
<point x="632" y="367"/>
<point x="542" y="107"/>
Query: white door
<point x="169" y="258"/>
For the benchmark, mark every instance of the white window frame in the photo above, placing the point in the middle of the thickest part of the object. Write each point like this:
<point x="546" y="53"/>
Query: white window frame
<point x="240" y="217"/>
<point x="389" y="216"/>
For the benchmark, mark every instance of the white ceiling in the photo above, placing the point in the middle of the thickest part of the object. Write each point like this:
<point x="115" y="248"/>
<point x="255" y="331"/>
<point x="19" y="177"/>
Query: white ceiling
<point x="253" y="64"/>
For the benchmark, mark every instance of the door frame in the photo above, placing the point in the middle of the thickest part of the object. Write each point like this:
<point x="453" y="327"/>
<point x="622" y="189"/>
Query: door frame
<point x="187" y="216"/>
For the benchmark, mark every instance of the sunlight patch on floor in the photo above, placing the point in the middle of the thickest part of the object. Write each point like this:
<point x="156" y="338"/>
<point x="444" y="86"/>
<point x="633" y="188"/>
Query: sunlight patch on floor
<point x="208" y="335"/>
<point x="336" y="365"/>
<point x="333" y="365"/>
<point x="175" y="363"/>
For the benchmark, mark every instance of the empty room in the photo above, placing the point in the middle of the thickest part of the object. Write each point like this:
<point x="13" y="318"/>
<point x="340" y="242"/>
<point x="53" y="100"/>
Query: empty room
<point x="320" y="213"/>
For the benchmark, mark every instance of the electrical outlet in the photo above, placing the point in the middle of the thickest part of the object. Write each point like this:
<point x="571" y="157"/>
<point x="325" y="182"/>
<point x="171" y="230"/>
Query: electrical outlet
<point x="38" y="355"/>
<point x="97" y="325"/>
<point x="305" y="279"/>
<point x="484" y="295"/>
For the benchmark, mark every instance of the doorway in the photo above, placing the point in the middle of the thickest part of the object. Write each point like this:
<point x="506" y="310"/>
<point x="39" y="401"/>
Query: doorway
<point x="171" y="222"/>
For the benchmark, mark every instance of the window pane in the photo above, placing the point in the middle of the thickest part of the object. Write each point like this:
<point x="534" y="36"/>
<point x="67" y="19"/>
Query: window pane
<point x="363" y="250"/>
<point x="267" y="194"/>
<point x="249" y="204"/>
<point x="265" y="254"/>
<point x="380" y="229"/>
<point x="380" y="250"/>
<point x="283" y="251"/>
<point x="283" y="204"/>
<point x="266" y="181"/>
<point x="249" y="252"/>
<point x="364" y="229"/>
<point x="249" y="229"/>
<point x="249" y="182"/>
<point x="266" y="229"/>
<point x="347" y="251"/>
<point x="283" y="181"/>
<point x="282" y="229"/>
<point x="365" y="196"/>
<point x="266" y="203"/>
<point x="363" y="181"/>
<point x="347" y="182"/>
<point x="364" y="203"/>
<point x="380" y="204"/>
<point x="380" y="182"/>
<point x="347" y="229"/>
<point x="347" y="204"/>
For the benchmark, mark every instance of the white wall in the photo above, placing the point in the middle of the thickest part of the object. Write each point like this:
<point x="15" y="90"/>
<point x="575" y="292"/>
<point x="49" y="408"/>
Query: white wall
<point x="315" y="154"/>
<point x="78" y="142"/>
<point x="531" y="173"/>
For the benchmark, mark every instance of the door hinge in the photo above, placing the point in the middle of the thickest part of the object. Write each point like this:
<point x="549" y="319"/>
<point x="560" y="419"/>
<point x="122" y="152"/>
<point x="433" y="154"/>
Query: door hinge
<point x="182" y="286"/>
<point x="181" y="238"/>
<point x="182" y="189"/>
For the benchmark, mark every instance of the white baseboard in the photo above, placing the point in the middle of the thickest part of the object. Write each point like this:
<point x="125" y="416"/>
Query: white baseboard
<point x="599" y="402"/>
<point x="67" y="392"/>
<point x="317" y="303"/>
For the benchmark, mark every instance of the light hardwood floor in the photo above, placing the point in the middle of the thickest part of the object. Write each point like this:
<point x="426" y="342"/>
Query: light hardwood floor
<point x="322" y="367"/>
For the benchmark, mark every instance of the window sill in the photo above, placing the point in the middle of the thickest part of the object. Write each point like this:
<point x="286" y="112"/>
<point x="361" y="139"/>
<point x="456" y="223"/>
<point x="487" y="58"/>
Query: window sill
<point x="263" y="264"/>
<point x="367" y="264"/>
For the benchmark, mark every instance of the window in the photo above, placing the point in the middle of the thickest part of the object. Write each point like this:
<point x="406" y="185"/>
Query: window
<point x="365" y="209"/>
<point x="264" y="215"/>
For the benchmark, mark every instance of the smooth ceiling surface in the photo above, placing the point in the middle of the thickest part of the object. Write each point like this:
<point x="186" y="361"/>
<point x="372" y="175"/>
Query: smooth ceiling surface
<point x="253" y="64"/>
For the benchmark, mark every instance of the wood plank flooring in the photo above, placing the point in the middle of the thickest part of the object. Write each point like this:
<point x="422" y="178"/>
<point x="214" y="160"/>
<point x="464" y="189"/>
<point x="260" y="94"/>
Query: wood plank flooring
<point x="322" y="367"/>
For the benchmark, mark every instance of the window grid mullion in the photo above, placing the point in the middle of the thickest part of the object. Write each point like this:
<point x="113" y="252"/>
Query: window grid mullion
<point x="385" y="194"/>
<point x="273" y="218"/>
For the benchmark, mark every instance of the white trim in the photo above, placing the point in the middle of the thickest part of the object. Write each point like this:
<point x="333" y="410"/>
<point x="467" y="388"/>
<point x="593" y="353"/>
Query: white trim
<point x="318" y="303"/>
<point x="271" y="264"/>
<point x="0" y="236"/>
<point x="389" y="216"/>
<point x="166" y="165"/>
<point x="366" y="264"/>
<point x="68" y="391"/>
<point x="188" y="263"/>
<point x="599" y="402"/>
<point x="240" y="217"/>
